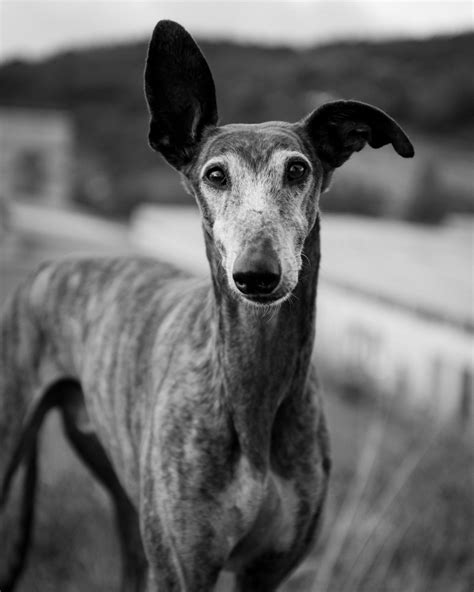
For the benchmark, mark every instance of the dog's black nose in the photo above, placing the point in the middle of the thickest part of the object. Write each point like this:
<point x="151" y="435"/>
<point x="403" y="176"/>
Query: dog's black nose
<point x="257" y="271"/>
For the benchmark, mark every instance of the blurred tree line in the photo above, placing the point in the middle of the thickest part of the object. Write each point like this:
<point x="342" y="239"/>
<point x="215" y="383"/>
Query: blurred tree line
<point x="426" y="85"/>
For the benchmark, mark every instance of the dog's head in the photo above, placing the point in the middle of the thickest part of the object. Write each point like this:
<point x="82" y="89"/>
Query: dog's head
<point x="258" y="185"/>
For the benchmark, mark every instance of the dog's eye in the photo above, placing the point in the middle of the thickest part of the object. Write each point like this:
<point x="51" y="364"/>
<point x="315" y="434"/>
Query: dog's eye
<point x="296" y="171"/>
<point x="216" y="176"/>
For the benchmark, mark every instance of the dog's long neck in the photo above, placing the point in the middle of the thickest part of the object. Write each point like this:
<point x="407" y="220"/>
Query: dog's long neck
<point x="263" y="357"/>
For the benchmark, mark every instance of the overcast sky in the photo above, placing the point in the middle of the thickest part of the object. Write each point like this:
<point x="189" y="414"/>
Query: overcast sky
<point x="35" y="28"/>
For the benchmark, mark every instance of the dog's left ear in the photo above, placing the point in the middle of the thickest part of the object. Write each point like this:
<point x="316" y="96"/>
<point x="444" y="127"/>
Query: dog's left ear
<point x="339" y="128"/>
<point x="180" y="93"/>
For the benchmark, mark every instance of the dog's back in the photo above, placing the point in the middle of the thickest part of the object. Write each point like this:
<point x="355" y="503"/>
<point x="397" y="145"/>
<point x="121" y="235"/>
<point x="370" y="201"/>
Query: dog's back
<point x="111" y="306"/>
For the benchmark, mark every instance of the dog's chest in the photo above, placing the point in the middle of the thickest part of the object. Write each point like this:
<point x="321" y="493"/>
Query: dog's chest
<point x="269" y="509"/>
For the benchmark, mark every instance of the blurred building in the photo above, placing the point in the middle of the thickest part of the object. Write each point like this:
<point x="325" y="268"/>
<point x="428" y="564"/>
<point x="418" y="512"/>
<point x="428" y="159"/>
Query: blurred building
<point x="36" y="151"/>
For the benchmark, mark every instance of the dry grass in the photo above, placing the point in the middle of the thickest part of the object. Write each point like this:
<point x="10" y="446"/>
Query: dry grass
<point x="401" y="519"/>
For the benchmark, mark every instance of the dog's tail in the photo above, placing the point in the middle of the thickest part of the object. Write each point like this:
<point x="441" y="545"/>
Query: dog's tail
<point x="26" y="453"/>
<point x="27" y="510"/>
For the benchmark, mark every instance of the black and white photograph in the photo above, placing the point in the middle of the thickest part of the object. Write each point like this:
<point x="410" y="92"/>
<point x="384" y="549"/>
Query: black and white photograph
<point x="236" y="296"/>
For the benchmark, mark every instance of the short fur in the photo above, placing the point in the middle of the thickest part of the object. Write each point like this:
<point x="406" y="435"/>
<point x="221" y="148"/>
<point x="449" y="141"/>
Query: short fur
<point x="197" y="406"/>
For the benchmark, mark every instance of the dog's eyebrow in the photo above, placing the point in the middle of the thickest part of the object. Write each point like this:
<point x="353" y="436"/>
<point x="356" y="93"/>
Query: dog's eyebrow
<point x="215" y="160"/>
<point x="283" y="156"/>
<point x="254" y="142"/>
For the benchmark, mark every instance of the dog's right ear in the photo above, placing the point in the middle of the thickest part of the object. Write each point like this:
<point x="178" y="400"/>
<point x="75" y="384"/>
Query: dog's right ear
<point x="180" y="93"/>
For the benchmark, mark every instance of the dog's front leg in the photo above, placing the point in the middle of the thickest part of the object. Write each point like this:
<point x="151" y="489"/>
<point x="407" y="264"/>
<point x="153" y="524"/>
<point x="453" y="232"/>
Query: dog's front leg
<point x="183" y="555"/>
<point x="185" y="546"/>
<point x="187" y="528"/>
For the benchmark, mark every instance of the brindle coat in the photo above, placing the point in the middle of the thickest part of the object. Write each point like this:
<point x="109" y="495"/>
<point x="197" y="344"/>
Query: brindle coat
<point x="200" y="410"/>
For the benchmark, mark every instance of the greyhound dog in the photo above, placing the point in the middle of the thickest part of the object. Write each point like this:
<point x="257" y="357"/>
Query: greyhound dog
<point x="195" y="403"/>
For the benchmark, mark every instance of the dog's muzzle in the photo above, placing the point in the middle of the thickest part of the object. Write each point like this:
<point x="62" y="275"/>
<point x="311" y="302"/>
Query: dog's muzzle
<point x="257" y="271"/>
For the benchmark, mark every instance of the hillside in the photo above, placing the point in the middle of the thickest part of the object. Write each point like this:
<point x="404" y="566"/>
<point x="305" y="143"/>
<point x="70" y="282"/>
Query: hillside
<point x="427" y="85"/>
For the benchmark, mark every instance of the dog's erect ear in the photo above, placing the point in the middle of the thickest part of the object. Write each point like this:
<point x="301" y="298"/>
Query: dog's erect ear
<point x="339" y="128"/>
<point x="180" y="92"/>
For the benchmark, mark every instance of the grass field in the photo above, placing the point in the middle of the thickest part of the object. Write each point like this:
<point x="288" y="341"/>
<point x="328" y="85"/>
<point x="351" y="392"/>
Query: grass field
<point x="399" y="515"/>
